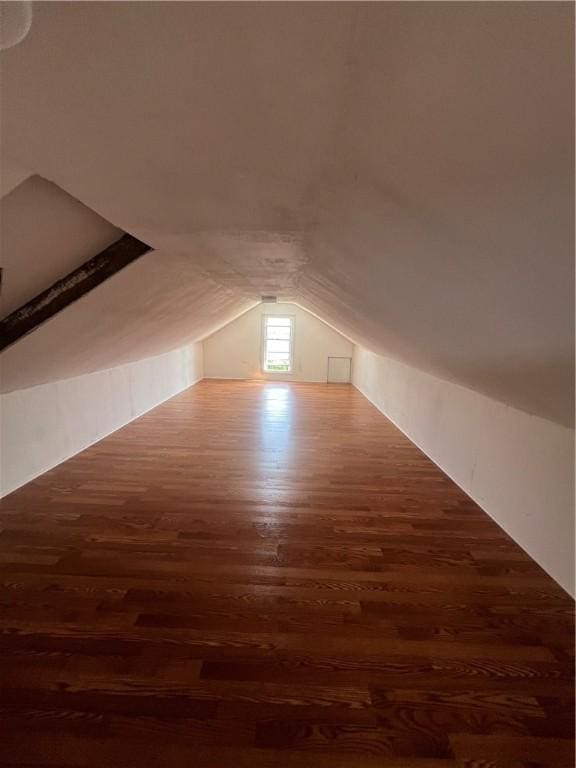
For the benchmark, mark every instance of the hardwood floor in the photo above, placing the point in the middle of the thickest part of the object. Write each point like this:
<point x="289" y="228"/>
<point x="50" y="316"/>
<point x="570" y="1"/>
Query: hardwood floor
<point x="259" y="575"/>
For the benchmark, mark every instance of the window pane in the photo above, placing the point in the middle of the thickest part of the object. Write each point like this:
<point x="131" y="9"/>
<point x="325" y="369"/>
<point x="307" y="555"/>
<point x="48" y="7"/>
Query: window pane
<point x="278" y="321"/>
<point x="278" y="332"/>
<point x="278" y="356"/>
<point x="278" y="346"/>
<point x="277" y="361"/>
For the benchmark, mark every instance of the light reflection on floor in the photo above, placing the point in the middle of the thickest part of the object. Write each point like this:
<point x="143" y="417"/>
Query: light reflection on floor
<point x="276" y="421"/>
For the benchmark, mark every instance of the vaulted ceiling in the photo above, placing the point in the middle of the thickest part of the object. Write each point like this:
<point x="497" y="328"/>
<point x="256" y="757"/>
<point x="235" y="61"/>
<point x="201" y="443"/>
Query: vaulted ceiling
<point x="403" y="170"/>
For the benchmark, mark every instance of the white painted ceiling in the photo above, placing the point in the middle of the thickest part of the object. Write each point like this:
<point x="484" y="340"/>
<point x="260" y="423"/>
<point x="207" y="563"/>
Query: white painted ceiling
<point x="403" y="170"/>
<point x="45" y="235"/>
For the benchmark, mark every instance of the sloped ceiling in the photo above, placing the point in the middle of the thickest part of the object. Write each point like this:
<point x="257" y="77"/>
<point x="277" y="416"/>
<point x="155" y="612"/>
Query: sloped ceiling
<point x="45" y="235"/>
<point x="404" y="170"/>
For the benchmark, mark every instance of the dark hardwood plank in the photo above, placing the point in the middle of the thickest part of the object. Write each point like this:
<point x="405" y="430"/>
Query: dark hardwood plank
<point x="271" y="575"/>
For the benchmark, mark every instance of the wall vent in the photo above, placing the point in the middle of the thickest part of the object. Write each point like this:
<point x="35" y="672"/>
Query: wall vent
<point x="269" y="299"/>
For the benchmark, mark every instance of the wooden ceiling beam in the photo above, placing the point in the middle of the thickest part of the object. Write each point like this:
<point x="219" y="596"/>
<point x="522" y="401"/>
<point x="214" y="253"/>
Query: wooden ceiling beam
<point x="70" y="288"/>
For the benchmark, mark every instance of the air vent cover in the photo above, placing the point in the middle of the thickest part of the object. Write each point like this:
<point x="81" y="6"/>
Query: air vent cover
<point x="269" y="299"/>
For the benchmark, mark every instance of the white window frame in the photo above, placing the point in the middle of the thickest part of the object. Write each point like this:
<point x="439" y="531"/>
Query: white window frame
<point x="264" y="339"/>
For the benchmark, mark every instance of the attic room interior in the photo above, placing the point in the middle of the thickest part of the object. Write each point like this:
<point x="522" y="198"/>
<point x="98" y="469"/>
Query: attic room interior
<point x="287" y="384"/>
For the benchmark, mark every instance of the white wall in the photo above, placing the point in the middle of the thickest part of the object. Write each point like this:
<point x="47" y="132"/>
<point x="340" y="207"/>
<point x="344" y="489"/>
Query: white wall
<point x="519" y="468"/>
<point x="45" y="425"/>
<point x="235" y="351"/>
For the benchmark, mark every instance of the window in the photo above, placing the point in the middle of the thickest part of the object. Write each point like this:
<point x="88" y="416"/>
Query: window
<point x="278" y="336"/>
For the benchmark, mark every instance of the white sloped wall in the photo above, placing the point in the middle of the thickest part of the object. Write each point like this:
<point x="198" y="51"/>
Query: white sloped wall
<point x="45" y="425"/>
<point x="518" y="467"/>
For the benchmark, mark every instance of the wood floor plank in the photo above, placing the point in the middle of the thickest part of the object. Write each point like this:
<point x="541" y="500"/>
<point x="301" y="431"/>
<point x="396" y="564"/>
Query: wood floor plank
<point x="271" y="575"/>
